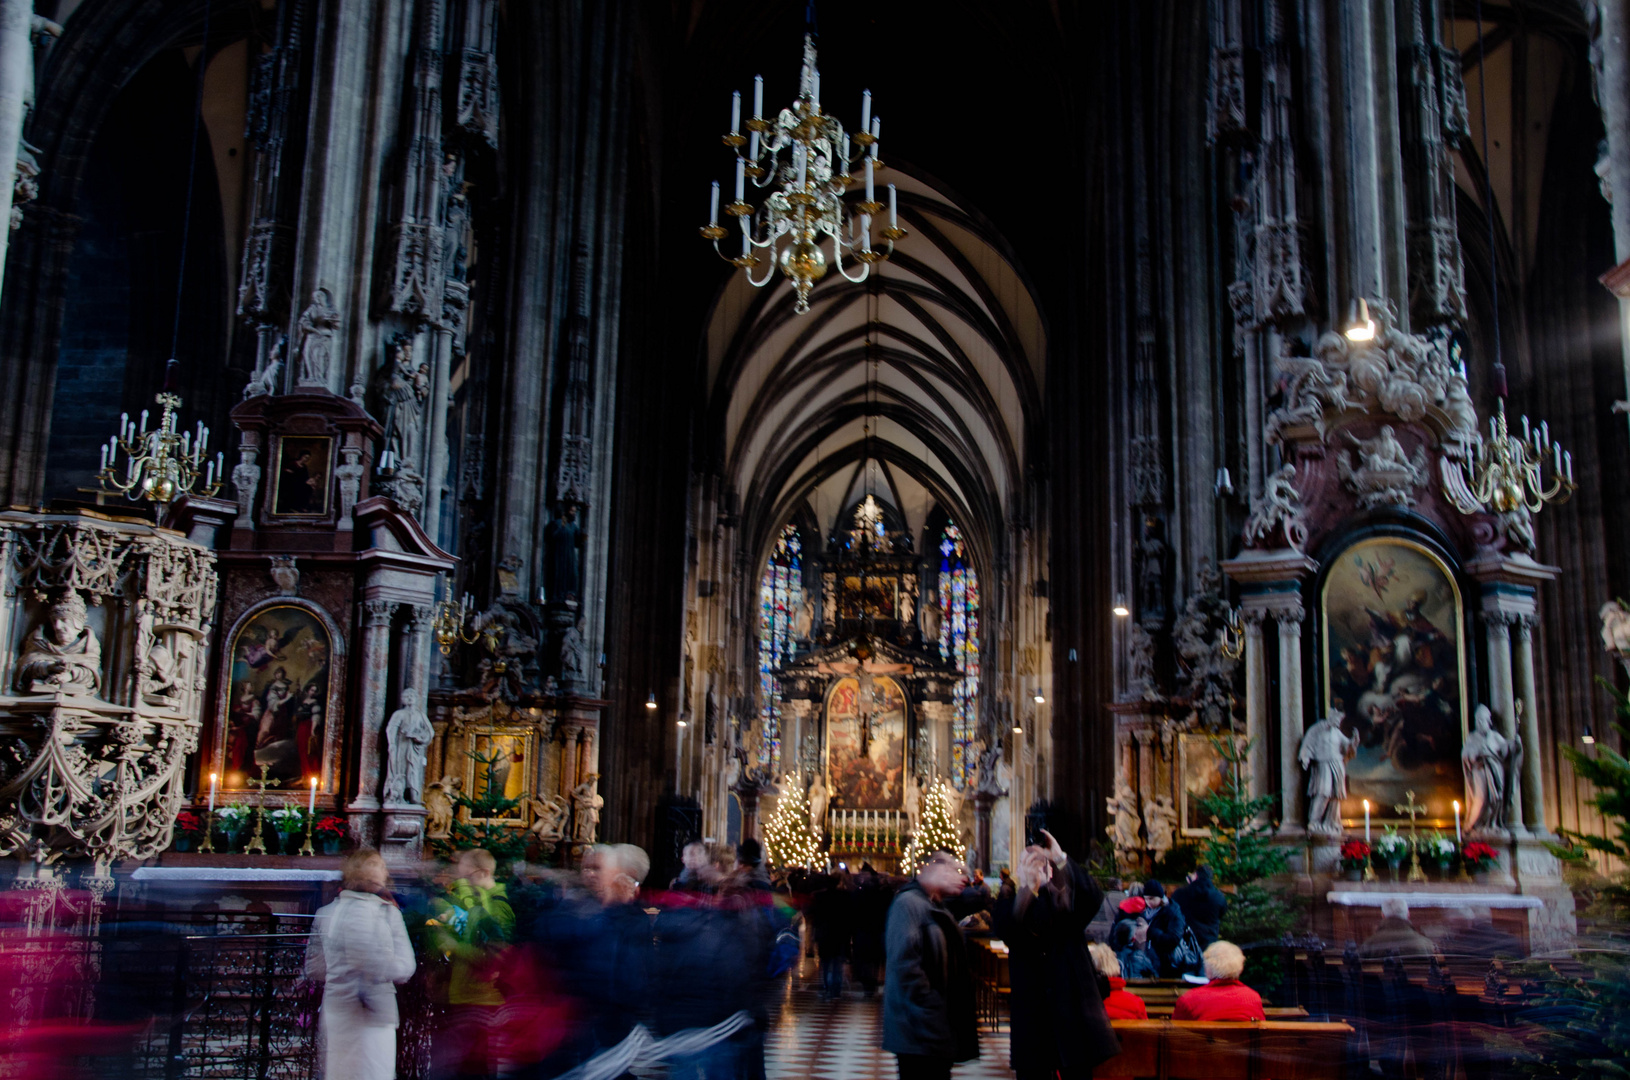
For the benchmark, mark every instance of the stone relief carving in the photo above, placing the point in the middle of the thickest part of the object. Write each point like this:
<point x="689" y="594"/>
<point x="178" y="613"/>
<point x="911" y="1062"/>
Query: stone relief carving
<point x="549" y="818"/>
<point x="62" y="655"/>
<point x="1207" y="671"/>
<point x="1383" y="475"/>
<point x="319" y="327"/>
<point x="285" y="574"/>
<point x="1275" y="519"/>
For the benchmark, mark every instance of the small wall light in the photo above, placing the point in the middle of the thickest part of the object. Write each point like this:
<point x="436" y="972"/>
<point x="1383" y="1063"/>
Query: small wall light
<point x="1360" y="327"/>
<point x="1120" y="609"/>
<point x="1587" y="738"/>
<point x="651" y="701"/>
<point x="1039" y="698"/>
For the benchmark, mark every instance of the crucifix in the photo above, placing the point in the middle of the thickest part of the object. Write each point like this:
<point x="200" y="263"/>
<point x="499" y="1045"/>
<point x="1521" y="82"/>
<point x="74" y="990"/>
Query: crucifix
<point x="1412" y="808"/>
<point x="257" y="846"/>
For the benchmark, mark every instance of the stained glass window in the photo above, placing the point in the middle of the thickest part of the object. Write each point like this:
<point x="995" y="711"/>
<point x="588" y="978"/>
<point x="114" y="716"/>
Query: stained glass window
<point x="780" y="595"/>
<point x="959" y="643"/>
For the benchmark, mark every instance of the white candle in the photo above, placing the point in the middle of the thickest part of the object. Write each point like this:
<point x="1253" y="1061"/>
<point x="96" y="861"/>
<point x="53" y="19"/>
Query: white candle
<point x="894" y="217"/>
<point x="865" y="110"/>
<point x="212" y="793"/>
<point x="1366" y="821"/>
<point x="735" y="112"/>
<point x="845" y="158"/>
<point x="877" y="133"/>
<point x="869" y="177"/>
<point x="752" y="146"/>
<point x="1567" y="457"/>
<point x="311" y="804"/>
<point x="865" y="232"/>
<point x="815" y="87"/>
<point x="758" y="96"/>
<point x="713" y="207"/>
<point x="104" y="457"/>
<point x="1457" y="822"/>
<point x="741" y="179"/>
<point x="803" y="165"/>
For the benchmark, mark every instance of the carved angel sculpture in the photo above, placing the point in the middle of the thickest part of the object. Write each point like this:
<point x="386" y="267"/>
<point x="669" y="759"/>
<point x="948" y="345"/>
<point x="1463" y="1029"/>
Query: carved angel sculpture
<point x="440" y="799"/>
<point x="549" y="818"/>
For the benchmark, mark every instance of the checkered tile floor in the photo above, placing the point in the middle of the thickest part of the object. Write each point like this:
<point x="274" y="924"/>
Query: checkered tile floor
<point x="841" y="1040"/>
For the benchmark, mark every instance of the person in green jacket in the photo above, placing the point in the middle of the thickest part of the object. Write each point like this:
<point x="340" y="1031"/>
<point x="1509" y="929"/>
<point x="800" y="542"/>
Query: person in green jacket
<point x="471" y="926"/>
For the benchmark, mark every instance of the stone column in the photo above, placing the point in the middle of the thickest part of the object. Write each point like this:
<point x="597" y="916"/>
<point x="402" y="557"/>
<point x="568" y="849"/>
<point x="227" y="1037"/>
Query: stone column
<point x="16" y="67"/>
<point x="1533" y="789"/>
<point x="1292" y="807"/>
<point x="436" y="444"/>
<point x="1256" y="702"/>
<point x="568" y="759"/>
<point x="416" y="651"/>
<point x="376" y="644"/>
<point x="1503" y="700"/>
<point x="983" y="801"/>
<point x="1146" y="764"/>
<point x="1613" y="93"/>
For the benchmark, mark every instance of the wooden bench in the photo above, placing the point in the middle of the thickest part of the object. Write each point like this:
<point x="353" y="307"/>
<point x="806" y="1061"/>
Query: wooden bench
<point x="1197" y="1050"/>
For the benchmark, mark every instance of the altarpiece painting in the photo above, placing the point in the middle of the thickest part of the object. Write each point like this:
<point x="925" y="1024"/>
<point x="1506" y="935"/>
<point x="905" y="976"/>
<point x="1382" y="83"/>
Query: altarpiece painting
<point x="866" y="743"/>
<point x="278" y="703"/>
<point x="1395" y="665"/>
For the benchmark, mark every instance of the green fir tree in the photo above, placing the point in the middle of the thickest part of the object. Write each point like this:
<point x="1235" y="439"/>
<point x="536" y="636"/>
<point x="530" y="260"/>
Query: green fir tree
<point x="935" y="829"/>
<point x="478" y="821"/>
<point x="789" y="839"/>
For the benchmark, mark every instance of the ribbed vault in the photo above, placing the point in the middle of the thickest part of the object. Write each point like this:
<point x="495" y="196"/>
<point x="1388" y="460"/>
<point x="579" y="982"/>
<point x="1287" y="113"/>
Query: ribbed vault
<point x="940" y="356"/>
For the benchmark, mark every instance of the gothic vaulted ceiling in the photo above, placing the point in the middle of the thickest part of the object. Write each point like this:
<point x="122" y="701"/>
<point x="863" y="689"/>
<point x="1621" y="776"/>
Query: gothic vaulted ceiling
<point x="940" y="356"/>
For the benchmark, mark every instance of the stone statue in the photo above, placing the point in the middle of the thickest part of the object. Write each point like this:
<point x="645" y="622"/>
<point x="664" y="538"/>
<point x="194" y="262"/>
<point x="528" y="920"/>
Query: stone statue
<point x="1141" y="681"/>
<point x="931" y="617"/>
<point x="574" y="656"/>
<point x="911" y="801"/>
<point x="1488" y="759"/>
<point x="549" y="818"/>
<point x="62" y="655"/>
<point x="440" y="801"/>
<point x="1124" y="831"/>
<point x="976" y="763"/>
<point x="562" y="556"/>
<point x="803" y="623"/>
<point x="266" y="382"/>
<point x="402" y="394"/>
<point x="1385" y="475"/>
<point x="908" y="609"/>
<point x="819" y="798"/>
<point x="1152" y="568"/>
<point x="587" y="802"/>
<point x="990" y="780"/>
<point x="1324" y="753"/>
<point x="1273" y="519"/>
<point x="317" y="327"/>
<point x="407" y="737"/>
<point x="1160" y="823"/>
<point x="1615" y="618"/>
<point x="160" y="685"/>
<point x="246" y="481"/>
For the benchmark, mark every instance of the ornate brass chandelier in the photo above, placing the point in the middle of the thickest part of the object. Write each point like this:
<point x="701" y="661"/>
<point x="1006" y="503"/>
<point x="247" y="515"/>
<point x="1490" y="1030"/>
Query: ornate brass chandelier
<point x="807" y="164"/>
<point x="1506" y="473"/>
<point x="163" y="464"/>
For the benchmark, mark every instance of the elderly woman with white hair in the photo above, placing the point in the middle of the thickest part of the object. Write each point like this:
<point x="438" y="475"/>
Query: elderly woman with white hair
<point x="1224" y="997"/>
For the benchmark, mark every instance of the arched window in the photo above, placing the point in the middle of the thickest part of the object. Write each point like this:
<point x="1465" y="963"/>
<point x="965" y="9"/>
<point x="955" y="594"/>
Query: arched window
<point x="780" y="595"/>
<point x="959" y="643"/>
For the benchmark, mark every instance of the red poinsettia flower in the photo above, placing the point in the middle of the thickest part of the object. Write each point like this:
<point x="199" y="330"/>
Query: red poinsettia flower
<point x="331" y="826"/>
<point x="1355" y="851"/>
<point x="1477" y="852"/>
<point x="188" y="824"/>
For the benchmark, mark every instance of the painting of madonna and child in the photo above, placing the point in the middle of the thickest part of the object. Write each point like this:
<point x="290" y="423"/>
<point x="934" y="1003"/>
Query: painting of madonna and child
<point x="1395" y="666"/>
<point x="279" y="695"/>
<point x="866" y="743"/>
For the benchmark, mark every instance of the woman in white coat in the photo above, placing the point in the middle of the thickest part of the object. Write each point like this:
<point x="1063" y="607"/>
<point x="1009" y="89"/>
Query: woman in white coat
<point x="359" y="950"/>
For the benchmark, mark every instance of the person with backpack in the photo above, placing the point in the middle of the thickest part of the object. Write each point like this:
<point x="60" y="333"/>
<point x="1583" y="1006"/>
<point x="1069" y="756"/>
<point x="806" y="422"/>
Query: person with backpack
<point x="1167" y="930"/>
<point x="1059" y="1026"/>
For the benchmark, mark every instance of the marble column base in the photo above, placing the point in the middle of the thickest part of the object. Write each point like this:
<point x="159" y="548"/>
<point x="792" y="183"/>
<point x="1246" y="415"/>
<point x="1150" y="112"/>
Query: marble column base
<point x="402" y="836"/>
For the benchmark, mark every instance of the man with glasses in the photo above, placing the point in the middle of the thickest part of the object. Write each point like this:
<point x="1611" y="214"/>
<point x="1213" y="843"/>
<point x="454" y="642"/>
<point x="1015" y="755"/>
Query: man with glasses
<point x="928" y="991"/>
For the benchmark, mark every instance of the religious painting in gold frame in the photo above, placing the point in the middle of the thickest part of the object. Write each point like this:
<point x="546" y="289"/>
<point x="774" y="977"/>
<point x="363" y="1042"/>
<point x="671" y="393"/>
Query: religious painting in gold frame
<point x="865" y="759"/>
<point x="1392" y="632"/>
<point x="300" y="486"/>
<point x="507" y="758"/>
<point x="280" y="698"/>
<point x="869" y="596"/>
<point x="1202" y="771"/>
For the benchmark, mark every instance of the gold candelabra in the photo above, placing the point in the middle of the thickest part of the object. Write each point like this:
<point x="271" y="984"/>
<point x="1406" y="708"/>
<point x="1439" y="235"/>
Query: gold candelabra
<point x="163" y="464"/>
<point x="807" y="163"/>
<point x="1506" y="472"/>
<point x="1231" y="636"/>
<point x="450" y="624"/>
<point x="257" y="844"/>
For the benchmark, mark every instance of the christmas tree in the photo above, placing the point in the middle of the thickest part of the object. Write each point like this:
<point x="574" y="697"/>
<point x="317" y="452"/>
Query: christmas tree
<point x="935" y="829"/>
<point x="789" y="840"/>
<point x="480" y="826"/>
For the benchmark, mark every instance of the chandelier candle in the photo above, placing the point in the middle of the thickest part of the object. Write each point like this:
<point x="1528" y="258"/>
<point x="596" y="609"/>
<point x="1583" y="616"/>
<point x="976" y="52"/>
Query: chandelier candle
<point x="801" y="163"/>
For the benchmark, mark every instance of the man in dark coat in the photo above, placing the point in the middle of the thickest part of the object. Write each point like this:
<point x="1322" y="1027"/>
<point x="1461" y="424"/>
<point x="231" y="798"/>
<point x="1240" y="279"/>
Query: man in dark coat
<point x="1059" y="1024"/>
<point x="1166" y="926"/>
<point x="1203" y="905"/>
<point x="928" y="993"/>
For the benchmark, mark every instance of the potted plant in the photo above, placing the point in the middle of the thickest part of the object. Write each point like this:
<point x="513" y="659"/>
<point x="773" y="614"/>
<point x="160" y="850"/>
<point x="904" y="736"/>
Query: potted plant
<point x="330" y="833"/>
<point x="1478" y="857"/>
<point x="1393" y="849"/>
<point x="1439" y="850"/>
<point x="290" y="822"/>
<point x="232" y="819"/>
<point x="1355" y="855"/>
<point x="188" y="828"/>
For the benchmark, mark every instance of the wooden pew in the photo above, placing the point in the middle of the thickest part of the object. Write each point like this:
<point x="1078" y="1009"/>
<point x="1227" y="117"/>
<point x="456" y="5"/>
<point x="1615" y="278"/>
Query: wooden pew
<point x="1195" y="1050"/>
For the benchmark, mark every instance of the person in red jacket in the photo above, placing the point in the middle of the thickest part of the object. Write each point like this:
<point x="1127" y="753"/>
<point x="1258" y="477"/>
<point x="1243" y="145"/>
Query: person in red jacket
<point x="1224" y="997"/>
<point x="1119" y="1003"/>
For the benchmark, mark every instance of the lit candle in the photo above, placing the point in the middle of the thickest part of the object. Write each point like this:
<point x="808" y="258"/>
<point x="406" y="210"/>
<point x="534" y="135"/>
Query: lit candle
<point x="758" y="96"/>
<point x="1457" y="822"/>
<point x="713" y="208"/>
<point x="212" y="793"/>
<point x="311" y="804"/>
<point x="735" y="112"/>
<point x="865" y="110"/>
<point x="1366" y="821"/>
<point x="894" y="219"/>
